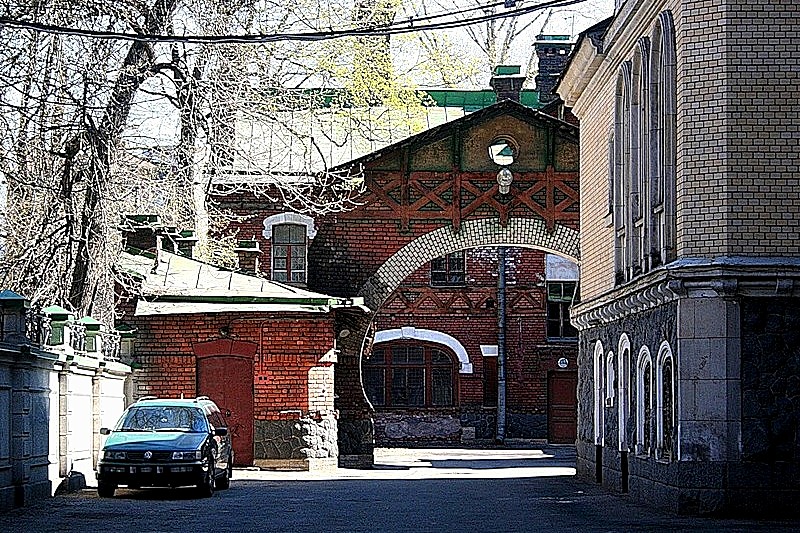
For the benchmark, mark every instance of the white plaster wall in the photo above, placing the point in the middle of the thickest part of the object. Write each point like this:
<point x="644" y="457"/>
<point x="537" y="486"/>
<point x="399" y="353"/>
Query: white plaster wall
<point x="52" y="455"/>
<point x="79" y="431"/>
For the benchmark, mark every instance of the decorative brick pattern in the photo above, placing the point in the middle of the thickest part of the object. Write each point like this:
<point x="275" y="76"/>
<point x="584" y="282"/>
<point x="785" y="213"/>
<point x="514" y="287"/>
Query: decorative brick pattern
<point x="473" y="234"/>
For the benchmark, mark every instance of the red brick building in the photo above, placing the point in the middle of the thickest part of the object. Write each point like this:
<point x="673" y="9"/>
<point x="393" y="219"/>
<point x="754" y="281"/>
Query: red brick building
<point x="264" y="351"/>
<point x="423" y="248"/>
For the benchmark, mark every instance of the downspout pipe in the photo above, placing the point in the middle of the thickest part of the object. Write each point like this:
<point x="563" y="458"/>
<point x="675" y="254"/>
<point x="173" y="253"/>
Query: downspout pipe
<point x="501" y="345"/>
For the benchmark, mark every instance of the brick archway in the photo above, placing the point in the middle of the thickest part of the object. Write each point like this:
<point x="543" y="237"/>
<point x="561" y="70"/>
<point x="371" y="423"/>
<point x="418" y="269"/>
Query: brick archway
<point x="355" y="426"/>
<point x="524" y="232"/>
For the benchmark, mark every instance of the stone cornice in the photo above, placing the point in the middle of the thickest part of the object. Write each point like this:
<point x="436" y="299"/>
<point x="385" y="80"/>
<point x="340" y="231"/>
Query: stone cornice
<point x="726" y="277"/>
<point x="648" y="292"/>
<point x="583" y="65"/>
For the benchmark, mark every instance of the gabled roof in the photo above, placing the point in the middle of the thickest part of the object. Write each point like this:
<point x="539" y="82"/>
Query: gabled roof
<point x="309" y="141"/>
<point x="175" y="284"/>
<point x="505" y="107"/>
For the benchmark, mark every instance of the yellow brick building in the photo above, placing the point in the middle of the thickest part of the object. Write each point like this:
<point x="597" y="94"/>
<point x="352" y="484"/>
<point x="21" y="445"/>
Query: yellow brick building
<point x="689" y="384"/>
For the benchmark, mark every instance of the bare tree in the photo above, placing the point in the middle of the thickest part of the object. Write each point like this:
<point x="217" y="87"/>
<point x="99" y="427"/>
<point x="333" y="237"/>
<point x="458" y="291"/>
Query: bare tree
<point x="499" y="41"/>
<point x="92" y="129"/>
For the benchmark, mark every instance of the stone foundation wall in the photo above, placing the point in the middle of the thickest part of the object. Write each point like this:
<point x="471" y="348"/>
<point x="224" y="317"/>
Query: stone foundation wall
<point x="300" y="444"/>
<point x="411" y="427"/>
<point x="453" y="426"/>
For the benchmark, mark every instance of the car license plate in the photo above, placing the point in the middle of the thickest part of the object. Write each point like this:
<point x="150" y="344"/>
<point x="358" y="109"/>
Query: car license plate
<point x="147" y="469"/>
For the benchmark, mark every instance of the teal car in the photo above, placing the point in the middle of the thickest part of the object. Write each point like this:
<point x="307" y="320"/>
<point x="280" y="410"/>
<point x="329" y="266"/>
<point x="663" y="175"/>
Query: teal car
<point x="167" y="443"/>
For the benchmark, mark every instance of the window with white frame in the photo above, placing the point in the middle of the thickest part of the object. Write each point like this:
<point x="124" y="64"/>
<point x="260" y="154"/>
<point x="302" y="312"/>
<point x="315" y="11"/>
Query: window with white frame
<point x="599" y="393"/>
<point x="289" y="253"/>
<point x="623" y="391"/>
<point x="611" y="379"/>
<point x="559" y="300"/>
<point x="644" y="402"/>
<point x="562" y="283"/>
<point x="665" y="404"/>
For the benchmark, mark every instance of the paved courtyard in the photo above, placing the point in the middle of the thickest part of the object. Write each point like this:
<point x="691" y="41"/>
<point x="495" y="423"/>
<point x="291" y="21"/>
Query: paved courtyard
<point x="421" y="490"/>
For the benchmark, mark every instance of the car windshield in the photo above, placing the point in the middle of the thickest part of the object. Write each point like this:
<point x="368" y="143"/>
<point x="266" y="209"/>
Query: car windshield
<point x="164" y="418"/>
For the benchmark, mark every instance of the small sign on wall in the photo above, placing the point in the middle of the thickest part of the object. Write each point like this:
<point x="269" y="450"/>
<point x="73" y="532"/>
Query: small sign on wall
<point x="563" y="362"/>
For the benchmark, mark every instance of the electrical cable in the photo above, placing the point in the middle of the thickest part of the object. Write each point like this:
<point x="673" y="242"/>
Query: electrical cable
<point x="403" y="27"/>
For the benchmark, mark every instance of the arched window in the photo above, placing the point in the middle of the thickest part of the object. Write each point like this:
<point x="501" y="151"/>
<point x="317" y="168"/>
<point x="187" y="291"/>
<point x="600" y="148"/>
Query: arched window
<point x="644" y="401"/>
<point x="665" y="404"/>
<point x="640" y="158"/>
<point x="623" y="390"/>
<point x="611" y="171"/>
<point x="410" y="374"/>
<point x="635" y="197"/>
<point x="611" y="379"/>
<point x="663" y="124"/>
<point x="289" y="235"/>
<point x="599" y="392"/>
<point x="622" y="175"/>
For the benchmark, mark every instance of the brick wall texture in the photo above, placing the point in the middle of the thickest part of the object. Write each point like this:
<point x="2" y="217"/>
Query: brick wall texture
<point x="738" y="133"/>
<point x="292" y="377"/>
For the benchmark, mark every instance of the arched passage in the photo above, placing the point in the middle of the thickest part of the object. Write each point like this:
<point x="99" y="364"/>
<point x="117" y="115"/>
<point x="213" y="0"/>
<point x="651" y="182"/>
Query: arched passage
<point x="355" y="437"/>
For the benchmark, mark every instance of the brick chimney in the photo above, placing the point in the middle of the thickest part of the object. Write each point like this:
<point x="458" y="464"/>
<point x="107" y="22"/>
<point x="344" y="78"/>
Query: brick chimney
<point x="507" y="82"/>
<point x="552" y="52"/>
<point x="145" y="232"/>
<point x="185" y="243"/>
<point x="248" y="253"/>
<point x="141" y="231"/>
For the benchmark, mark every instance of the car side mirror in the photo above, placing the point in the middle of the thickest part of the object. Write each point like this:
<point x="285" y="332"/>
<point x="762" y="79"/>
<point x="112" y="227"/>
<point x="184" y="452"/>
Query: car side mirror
<point x="220" y="432"/>
<point x="105" y="431"/>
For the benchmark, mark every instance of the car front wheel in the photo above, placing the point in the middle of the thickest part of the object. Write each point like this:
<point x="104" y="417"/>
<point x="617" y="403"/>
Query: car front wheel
<point x="206" y="487"/>
<point x="225" y="479"/>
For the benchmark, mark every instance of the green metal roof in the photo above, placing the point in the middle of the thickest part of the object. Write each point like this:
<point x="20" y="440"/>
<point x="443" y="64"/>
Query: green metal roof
<point x="475" y="100"/>
<point x="56" y="310"/>
<point x="180" y="285"/>
<point x="507" y="70"/>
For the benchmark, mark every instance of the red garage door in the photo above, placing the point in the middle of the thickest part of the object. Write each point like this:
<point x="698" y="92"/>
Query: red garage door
<point x="562" y="402"/>
<point x="228" y="380"/>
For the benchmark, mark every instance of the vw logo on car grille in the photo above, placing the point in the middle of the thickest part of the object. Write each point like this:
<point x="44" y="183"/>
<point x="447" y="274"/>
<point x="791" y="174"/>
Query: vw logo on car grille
<point x="148" y="454"/>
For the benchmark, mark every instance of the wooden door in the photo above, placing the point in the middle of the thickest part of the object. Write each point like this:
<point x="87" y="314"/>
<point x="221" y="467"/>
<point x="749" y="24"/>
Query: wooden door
<point x="562" y="406"/>
<point x="228" y="381"/>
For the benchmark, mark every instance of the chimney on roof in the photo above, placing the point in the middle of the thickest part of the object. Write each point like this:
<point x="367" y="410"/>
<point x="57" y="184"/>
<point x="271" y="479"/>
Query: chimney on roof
<point x="185" y="243"/>
<point x="141" y="231"/>
<point x="145" y="232"/>
<point x="248" y="253"/>
<point x="506" y="81"/>
<point x="552" y="51"/>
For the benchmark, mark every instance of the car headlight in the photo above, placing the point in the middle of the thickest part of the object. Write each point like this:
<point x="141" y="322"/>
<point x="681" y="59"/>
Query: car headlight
<point x="193" y="455"/>
<point x="113" y="455"/>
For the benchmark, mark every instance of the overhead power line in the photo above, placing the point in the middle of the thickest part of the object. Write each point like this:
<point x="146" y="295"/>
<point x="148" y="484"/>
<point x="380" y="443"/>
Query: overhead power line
<point x="408" y="25"/>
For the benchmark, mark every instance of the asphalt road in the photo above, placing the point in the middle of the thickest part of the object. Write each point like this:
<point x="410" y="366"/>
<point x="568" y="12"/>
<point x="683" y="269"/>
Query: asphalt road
<point x="432" y="490"/>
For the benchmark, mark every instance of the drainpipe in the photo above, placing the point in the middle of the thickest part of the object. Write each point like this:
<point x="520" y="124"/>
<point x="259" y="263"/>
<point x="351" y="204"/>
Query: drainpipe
<point x="501" y="344"/>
